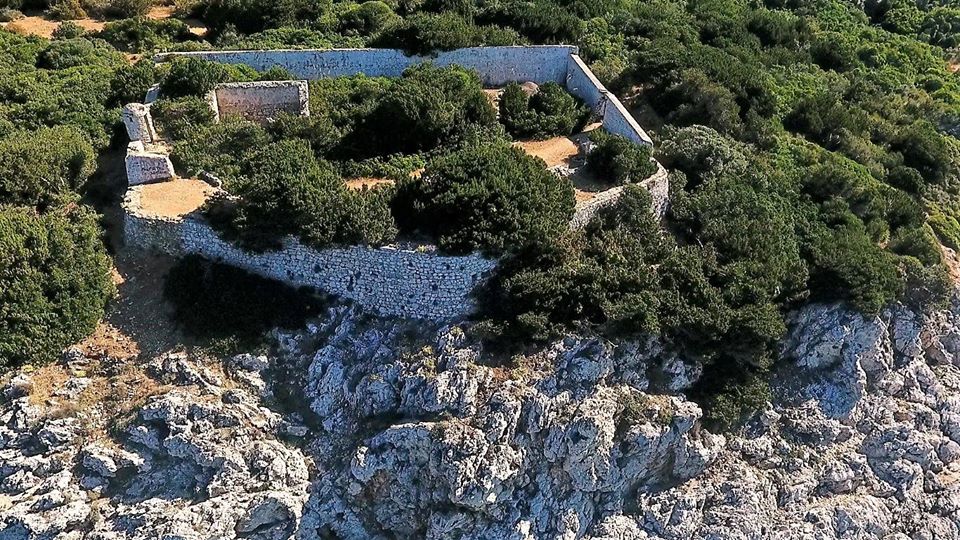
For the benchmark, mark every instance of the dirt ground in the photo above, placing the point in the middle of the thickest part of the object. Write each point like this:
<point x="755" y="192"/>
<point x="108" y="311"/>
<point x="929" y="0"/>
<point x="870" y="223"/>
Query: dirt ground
<point x="367" y="181"/>
<point x="174" y="198"/>
<point x="37" y="24"/>
<point x="555" y="151"/>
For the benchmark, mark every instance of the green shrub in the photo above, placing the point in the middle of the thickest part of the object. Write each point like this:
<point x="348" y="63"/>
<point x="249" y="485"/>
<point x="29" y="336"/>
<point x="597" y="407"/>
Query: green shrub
<point x="285" y="191"/>
<point x="54" y="282"/>
<point x="68" y="30"/>
<point x="39" y="166"/>
<point x="221" y="148"/>
<point x="490" y="197"/>
<point x="230" y="308"/>
<point x="430" y="106"/>
<point x="65" y="10"/>
<point x="142" y="34"/>
<point x="617" y="160"/>
<point x="9" y="15"/>
<point x="127" y="9"/>
<point x="68" y="53"/>
<point x="178" y="118"/>
<point x="541" y="22"/>
<point x="426" y="33"/>
<point x="550" y="111"/>
<point x="131" y="82"/>
<point x="192" y="77"/>
<point x="366" y="19"/>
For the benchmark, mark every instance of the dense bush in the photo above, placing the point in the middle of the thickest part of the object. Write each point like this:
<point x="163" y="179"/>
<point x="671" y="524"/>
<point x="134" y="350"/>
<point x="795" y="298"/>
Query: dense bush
<point x="54" y="281"/>
<point x="426" y="33"/>
<point x="219" y="148"/>
<point x="192" y="77"/>
<point x="285" y="191"/>
<point x="178" y="118"/>
<point x="550" y="111"/>
<point x="490" y="197"/>
<point x="430" y="106"/>
<point x="617" y="160"/>
<point x="141" y="34"/>
<point x="230" y="308"/>
<point x="40" y="166"/>
<point x="131" y="82"/>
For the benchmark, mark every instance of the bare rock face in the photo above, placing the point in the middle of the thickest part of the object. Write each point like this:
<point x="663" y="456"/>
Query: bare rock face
<point x="367" y="428"/>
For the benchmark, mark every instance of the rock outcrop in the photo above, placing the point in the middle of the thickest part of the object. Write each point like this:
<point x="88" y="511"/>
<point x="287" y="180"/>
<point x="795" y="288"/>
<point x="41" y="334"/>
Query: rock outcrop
<point x="366" y="428"/>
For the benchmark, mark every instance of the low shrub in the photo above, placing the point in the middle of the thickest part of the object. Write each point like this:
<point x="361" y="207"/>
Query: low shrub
<point x="177" y="118"/>
<point x="65" y="10"/>
<point x="618" y="160"/>
<point x="54" y="281"/>
<point x="192" y="77"/>
<point x="142" y="34"/>
<point x="426" y="33"/>
<point x="490" y="197"/>
<point x="68" y="30"/>
<point x="38" y="167"/>
<point x="549" y="112"/>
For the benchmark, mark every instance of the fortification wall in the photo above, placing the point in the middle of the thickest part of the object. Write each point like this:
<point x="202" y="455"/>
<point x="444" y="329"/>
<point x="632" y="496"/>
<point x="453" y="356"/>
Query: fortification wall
<point x="261" y="100"/>
<point x="582" y="83"/>
<point x="496" y="65"/>
<point x="658" y="185"/>
<point x="387" y="280"/>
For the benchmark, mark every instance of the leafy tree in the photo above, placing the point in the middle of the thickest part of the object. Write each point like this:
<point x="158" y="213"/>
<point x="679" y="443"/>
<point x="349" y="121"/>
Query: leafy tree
<point x="490" y="197"/>
<point x="40" y="166"/>
<point x="617" y="160"/>
<point x="426" y="33"/>
<point x="367" y="18"/>
<point x="219" y="148"/>
<point x="179" y="118"/>
<point x="192" y="77"/>
<point x="54" y="281"/>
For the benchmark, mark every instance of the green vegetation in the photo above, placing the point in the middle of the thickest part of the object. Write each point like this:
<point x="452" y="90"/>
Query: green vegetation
<point x="812" y="148"/>
<point x="490" y="197"/>
<point x="618" y="160"/>
<point x="549" y="112"/>
<point x="54" y="281"/>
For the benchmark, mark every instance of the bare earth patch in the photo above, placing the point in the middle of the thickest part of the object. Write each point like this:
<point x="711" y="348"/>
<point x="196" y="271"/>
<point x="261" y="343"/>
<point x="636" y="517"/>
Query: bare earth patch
<point x="555" y="151"/>
<point x="367" y="182"/>
<point x="40" y="25"/>
<point x="174" y="198"/>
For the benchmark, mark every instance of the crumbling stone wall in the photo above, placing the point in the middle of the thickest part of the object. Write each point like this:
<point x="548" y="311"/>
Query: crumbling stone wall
<point x="658" y="185"/>
<point x="145" y="166"/>
<point x="139" y="123"/>
<point x="413" y="283"/>
<point x="260" y="100"/>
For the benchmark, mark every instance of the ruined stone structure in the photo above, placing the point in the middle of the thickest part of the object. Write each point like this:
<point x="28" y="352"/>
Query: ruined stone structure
<point x="260" y="101"/>
<point x="416" y="282"/>
<point x="495" y="65"/>
<point x="145" y="165"/>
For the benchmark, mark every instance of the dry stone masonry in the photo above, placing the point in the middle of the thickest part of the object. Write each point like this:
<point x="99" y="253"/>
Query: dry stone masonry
<point x="412" y="283"/>
<point x="260" y="101"/>
<point x="415" y="283"/>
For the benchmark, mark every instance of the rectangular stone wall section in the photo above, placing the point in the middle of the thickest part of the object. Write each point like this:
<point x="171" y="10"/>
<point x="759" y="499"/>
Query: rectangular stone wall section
<point x="144" y="166"/>
<point x="262" y="100"/>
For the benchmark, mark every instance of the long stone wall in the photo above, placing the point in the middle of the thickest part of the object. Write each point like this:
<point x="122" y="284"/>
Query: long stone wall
<point x="388" y="280"/>
<point x="495" y="65"/>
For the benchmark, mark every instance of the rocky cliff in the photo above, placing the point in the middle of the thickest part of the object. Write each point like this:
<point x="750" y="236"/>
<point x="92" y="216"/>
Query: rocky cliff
<point x="366" y="428"/>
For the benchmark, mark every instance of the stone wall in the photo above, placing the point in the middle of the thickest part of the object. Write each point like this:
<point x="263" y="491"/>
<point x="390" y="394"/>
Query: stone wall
<point x="496" y="66"/>
<point x="139" y="123"/>
<point x="389" y="280"/>
<point x="145" y="166"/>
<point x="260" y="100"/>
<point x="658" y="185"/>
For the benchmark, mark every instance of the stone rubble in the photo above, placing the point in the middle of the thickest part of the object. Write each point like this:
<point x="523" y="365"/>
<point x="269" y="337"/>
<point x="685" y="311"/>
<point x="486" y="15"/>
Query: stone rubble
<point x="370" y="428"/>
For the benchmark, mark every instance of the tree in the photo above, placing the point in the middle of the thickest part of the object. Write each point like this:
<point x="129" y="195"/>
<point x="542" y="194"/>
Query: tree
<point x="490" y="197"/>
<point x="192" y="77"/>
<point x="617" y="160"/>
<point x="548" y="112"/>
<point x="54" y="281"/>
<point x="38" y="167"/>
